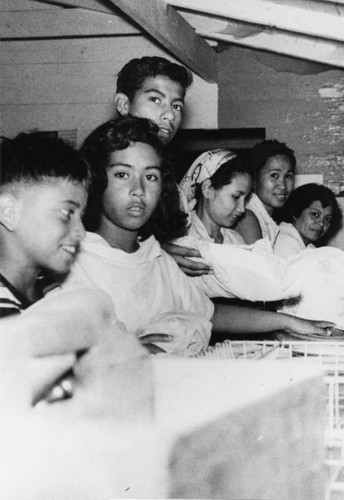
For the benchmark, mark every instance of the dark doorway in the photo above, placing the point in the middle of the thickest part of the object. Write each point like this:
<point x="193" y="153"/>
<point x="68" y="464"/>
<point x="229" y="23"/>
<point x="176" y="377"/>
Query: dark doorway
<point x="190" y="143"/>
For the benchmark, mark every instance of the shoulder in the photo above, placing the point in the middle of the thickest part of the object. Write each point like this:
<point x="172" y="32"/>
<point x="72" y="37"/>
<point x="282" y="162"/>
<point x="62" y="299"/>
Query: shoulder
<point x="288" y="241"/>
<point x="249" y="218"/>
<point x="230" y="236"/>
<point x="287" y="230"/>
<point x="249" y="227"/>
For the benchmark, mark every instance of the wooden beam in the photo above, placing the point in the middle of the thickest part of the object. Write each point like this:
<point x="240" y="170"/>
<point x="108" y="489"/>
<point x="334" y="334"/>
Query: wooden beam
<point x="168" y="28"/>
<point x="305" y="17"/>
<point x="331" y="1"/>
<point x="312" y="49"/>
<point x="165" y="25"/>
<point x="96" y="5"/>
<point x="59" y="23"/>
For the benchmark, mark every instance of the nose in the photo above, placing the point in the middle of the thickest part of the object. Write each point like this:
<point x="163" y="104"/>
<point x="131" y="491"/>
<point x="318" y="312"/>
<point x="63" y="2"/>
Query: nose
<point x="79" y="231"/>
<point x="137" y="188"/>
<point x="241" y="207"/>
<point x="168" y="114"/>
<point x="283" y="182"/>
<point x="321" y="221"/>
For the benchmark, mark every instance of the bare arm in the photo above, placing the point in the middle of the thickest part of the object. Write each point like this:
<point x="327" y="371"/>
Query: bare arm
<point x="182" y="257"/>
<point x="237" y="320"/>
<point x="249" y="228"/>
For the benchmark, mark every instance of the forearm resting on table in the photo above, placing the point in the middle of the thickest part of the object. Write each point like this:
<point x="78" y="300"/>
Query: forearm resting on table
<point x="236" y="320"/>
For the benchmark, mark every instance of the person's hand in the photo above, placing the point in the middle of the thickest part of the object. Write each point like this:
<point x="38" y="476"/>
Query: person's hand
<point x="308" y="327"/>
<point x="183" y="257"/>
<point x="149" y="341"/>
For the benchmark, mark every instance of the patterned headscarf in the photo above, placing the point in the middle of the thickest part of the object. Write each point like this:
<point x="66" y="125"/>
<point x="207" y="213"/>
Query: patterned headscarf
<point x="202" y="168"/>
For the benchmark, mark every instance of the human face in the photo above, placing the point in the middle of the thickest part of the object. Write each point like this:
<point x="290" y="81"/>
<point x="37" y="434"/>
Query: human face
<point x="161" y="100"/>
<point x="132" y="194"/>
<point x="275" y="182"/>
<point x="50" y="225"/>
<point x="314" y="222"/>
<point x="225" y="205"/>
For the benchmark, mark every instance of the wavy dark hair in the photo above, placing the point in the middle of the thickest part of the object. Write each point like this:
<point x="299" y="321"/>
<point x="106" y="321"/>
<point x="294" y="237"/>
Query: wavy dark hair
<point x="168" y="221"/>
<point x="136" y="71"/>
<point x="225" y="174"/>
<point x="302" y="197"/>
<point x="261" y="152"/>
<point x="34" y="156"/>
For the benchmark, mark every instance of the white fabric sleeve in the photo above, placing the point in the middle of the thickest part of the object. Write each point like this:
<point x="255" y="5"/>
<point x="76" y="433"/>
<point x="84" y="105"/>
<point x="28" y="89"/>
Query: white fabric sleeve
<point x="248" y="272"/>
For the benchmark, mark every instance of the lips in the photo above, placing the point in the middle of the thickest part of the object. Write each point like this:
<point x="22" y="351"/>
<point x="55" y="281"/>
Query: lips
<point x="166" y="132"/>
<point x="136" y="208"/>
<point x="71" y="249"/>
<point x="280" y="197"/>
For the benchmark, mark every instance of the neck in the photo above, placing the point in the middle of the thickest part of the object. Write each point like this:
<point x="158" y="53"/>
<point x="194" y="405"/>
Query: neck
<point x="118" y="237"/>
<point x="267" y="208"/>
<point x="19" y="273"/>
<point x="213" y="229"/>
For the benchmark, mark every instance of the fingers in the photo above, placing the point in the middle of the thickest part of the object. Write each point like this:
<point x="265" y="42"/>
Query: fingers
<point x="155" y="337"/>
<point x="183" y="255"/>
<point x="324" y="324"/>
<point x="194" y="273"/>
<point x="154" y="349"/>
<point x="45" y="371"/>
<point x="178" y="250"/>
<point x="149" y="340"/>
<point x="191" y="267"/>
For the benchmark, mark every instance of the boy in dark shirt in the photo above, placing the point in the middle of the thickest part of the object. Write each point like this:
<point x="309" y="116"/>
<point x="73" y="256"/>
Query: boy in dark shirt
<point x="43" y="193"/>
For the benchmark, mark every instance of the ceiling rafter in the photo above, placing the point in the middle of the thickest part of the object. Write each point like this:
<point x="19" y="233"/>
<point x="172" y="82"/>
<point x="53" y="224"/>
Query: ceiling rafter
<point x="165" y="25"/>
<point x="256" y="37"/>
<point x="305" y="17"/>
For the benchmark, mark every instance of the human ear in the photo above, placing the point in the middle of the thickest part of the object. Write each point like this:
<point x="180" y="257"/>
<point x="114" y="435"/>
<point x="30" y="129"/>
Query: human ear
<point x="8" y="211"/>
<point x="207" y="189"/>
<point x="122" y="103"/>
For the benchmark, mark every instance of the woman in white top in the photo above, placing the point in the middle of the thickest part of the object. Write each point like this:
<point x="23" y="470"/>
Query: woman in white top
<point x="216" y="189"/>
<point x="310" y="216"/>
<point x="273" y="165"/>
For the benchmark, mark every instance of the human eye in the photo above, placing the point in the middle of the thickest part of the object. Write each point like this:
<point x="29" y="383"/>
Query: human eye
<point x="121" y="175"/>
<point x="154" y="98"/>
<point x="274" y="175"/>
<point x="290" y="175"/>
<point x="315" y="215"/>
<point x="178" y="107"/>
<point x="67" y="213"/>
<point x="153" y="177"/>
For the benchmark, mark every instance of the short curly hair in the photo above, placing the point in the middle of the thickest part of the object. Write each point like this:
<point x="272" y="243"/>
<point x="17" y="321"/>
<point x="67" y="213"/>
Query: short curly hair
<point x="303" y="196"/>
<point x="261" y="152"/>
<point x="132" y="76"/>
<point x="168" y="221"/>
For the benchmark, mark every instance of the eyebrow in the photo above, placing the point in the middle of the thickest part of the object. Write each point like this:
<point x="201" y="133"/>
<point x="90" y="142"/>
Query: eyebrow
<point x="162" y="94"/>
<point x="72" y="202"/>
<point x="127" y="165"/>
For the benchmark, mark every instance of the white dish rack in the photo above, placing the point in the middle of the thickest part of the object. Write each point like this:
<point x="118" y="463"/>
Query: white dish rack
<point x="329" y="355"/>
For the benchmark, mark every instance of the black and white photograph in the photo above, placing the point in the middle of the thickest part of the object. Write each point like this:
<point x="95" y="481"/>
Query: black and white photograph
<point x="172" y="249"/>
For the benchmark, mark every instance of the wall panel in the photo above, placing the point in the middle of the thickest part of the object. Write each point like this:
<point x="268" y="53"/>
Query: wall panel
<point x="69" y="83"/>
<point x="302" y="105"/>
